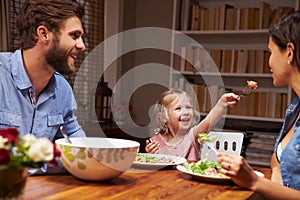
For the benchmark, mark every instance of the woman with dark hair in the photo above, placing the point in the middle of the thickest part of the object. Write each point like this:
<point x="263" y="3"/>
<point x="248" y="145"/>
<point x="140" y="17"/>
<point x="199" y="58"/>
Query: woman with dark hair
<point x="284" y="41"/>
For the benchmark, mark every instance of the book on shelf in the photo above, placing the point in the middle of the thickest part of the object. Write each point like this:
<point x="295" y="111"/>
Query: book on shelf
<point x="242" y="61"/>
<point x="182" y="58"/>
<point x="279" y="12"/>
<point x="266" y="62"/>
<point x="194" y="16"/>
<point x="185" y="15"/>
<point x="213" y="22"/>
<point x="262" y="105"/>
<point x="261" y="136"/>
<point x="216" y="56"/>
<point x="197" y="59"/>
<point x="224" y="16"/>
<point x="261" y="147"/>
<point x="258" y="146"/>
<point x="264" y="15"/>
<point x="251" y="65"/>
<point x="266" y="140"/>
<point x="198" y="17"/>
<point x="226" y="61"/>
<point x="255" y="148"/>
<point x="258" y="159"/>
<point x="259" y="57"/>
<point x="249" y="18"/>
<point x="231" y="19"/>
<point x="189" y="59"/>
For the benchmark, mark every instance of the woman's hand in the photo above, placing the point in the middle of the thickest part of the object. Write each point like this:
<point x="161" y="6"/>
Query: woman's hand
<point x="237" y="168"/>
<point x="152" y="147"/>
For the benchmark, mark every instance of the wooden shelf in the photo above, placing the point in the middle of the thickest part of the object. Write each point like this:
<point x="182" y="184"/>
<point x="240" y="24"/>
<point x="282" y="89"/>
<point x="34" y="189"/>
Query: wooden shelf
<point x="235" y="39"/>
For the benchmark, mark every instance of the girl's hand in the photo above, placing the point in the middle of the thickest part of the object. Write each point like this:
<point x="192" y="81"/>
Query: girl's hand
<point x="152" y="147"/>
<point x="229" y="99"/>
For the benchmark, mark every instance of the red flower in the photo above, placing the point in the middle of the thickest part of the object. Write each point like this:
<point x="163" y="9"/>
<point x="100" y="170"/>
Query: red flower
<point x="12" y="134"/>
<point x="5" y="157"/>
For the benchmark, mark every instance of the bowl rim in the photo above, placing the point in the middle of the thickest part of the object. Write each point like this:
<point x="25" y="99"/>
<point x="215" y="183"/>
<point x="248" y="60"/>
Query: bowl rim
<point x="62" y="141"/>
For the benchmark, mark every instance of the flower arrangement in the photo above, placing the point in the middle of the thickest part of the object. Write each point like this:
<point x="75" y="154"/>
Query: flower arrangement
<point x="29" y="151"/>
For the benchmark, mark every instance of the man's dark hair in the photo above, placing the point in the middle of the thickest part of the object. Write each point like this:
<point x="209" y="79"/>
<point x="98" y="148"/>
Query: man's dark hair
<point x="50" y="13"/>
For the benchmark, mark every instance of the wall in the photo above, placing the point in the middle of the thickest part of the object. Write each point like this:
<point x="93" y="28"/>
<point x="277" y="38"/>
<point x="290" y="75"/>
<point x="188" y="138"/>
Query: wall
<point x="145" y="13"/>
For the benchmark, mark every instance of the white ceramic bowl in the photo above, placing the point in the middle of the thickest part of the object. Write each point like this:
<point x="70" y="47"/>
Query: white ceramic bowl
<point x="95" y="159"/>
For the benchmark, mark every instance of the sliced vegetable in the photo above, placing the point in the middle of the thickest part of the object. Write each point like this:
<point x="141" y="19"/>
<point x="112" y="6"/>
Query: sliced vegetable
<point x="202" y="166"/>
<point x="204" y="137"/>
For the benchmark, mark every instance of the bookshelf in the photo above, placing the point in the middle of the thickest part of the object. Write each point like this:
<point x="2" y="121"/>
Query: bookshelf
<point x="241" y="53"/>
<point x="222" y="44"/>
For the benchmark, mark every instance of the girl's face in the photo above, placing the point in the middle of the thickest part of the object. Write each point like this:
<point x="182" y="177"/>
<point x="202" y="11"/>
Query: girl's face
<point x="278" y="62"/>
<point x="180" y="114"/>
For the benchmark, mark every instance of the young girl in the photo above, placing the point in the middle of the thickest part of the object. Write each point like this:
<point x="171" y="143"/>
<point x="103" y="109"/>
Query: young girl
<point x="176" y="134"/>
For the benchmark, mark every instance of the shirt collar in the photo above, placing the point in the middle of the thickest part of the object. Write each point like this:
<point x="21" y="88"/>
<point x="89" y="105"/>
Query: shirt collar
<point x="18" y="71"/>
<point x="20" y="76"/>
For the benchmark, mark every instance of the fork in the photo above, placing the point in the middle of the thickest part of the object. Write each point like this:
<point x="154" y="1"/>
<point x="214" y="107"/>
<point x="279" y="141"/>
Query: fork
<point x="211" y="146"/>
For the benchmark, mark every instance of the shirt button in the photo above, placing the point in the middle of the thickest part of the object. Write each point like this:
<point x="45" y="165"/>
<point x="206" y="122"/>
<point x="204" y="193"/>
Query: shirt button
<point x="288" y="185"/>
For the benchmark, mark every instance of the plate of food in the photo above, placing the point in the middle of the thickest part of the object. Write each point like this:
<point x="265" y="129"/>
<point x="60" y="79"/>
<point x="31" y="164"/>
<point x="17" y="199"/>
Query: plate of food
<point x="157" y="160"/>
<point x="208" y="171"/>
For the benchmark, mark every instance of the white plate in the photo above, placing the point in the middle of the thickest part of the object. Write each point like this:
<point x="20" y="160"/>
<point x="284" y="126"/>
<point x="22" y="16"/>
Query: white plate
<point x="177" y="160"/>
<point x="212" y="179"/>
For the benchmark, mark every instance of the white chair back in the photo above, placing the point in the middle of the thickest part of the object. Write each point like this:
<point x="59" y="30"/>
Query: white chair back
<point x="230" y="142"/>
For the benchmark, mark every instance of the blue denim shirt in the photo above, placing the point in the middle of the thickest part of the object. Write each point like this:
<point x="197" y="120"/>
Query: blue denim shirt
<point x="18" y="108"/>
<point x="290" y="157"/>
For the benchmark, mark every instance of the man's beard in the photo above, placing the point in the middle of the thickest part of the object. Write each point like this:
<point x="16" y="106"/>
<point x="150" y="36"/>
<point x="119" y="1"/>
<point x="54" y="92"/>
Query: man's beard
<point x="57" y="58"/>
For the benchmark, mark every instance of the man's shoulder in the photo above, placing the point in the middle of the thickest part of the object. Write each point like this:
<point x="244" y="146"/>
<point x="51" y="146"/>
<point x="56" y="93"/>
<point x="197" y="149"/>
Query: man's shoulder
<point x="5" y="57"/>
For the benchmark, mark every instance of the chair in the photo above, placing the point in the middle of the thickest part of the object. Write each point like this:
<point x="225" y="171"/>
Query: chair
<point x="230" y="142"/>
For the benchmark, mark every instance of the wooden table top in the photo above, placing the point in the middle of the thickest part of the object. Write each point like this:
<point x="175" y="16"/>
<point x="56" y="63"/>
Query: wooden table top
<point x="134" y="184"/>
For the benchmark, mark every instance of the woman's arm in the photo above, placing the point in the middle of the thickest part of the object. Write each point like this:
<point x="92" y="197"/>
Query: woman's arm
<point x="275" y="166"/>
<point x="237" y="168"/>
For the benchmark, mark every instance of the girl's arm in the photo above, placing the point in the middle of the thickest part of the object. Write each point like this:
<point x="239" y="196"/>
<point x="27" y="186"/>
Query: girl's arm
<point x="215" y="114"/>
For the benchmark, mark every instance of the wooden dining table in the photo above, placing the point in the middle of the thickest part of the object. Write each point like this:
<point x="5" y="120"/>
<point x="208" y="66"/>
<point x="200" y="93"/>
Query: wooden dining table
<point x="143" y="184"/>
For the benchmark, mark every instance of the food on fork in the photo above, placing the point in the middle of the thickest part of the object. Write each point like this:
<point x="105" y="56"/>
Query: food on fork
<point x="252" y="84"/>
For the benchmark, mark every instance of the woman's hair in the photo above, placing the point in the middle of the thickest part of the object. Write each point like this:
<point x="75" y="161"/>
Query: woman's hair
<point x="287" y="30"/>
<point x="50" y="13"/>
<point x="161" y="108"/>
